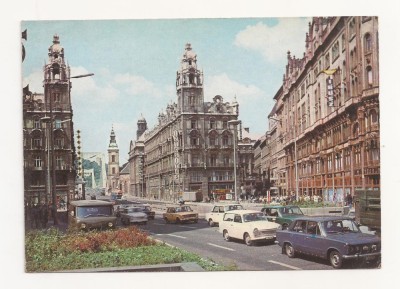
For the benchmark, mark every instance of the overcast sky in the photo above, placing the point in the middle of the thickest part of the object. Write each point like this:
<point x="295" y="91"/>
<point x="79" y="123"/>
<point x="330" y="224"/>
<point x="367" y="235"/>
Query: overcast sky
<point x="135" y="64"/>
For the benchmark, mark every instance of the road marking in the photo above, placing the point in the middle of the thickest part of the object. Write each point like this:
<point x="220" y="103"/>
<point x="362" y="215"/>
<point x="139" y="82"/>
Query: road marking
<point x="188" y="227"/>
<point x="284" y="265"/>
<point x="226" y="248"/>
<point x="172" y="235"/>
<point x="159" y="224"/>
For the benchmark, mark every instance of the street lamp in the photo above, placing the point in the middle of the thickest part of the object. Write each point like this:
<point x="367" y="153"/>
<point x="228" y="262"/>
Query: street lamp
<point x="234" y="123"/>
<point x="295" y="158"/>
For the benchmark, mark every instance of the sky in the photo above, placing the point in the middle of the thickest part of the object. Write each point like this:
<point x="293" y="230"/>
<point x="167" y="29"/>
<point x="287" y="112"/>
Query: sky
<point x="135" y="62"/>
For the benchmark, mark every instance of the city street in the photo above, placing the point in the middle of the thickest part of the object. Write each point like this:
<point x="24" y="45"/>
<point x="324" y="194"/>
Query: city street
<point x="208" y="242"/>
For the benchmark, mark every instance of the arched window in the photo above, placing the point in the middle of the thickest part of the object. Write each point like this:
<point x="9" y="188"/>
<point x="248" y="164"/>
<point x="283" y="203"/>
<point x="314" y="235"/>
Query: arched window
<point x="368" y="42"/>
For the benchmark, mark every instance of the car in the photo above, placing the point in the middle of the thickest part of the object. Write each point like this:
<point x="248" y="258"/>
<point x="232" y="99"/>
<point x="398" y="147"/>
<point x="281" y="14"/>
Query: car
<point x="248" y="225"/>
<point x="134" y="215"/>
<point x="334" y="238"/>
<point x="215" y="216"/>
<point x="282" y="215"/>
<point x="148" y="211"/>
<point x="180" y="214"/>
<point x="119" y="205"/>
<point x="91" y="214"/>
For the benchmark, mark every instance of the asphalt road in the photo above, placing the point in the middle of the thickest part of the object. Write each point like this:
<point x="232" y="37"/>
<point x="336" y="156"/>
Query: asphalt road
<point x="208" y="242"/>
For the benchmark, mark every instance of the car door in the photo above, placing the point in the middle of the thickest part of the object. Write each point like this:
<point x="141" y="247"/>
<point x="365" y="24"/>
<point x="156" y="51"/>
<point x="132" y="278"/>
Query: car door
<point x="313" y="241"/>
<point x="237" y="229"/>
<point x="298" y="235"/>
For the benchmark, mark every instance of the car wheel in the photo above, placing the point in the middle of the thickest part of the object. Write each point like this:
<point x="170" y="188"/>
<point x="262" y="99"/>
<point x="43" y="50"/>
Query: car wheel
<point x="289" y="250"/>
<point x="336" y="259"/>
<point x="247" y="239"/>
<point x="196" y="220"/>
<point x="211" y="223"/>
<point x="166" y="220"/>
<point x="178" y="221"/>
<point x="226" y="236"/>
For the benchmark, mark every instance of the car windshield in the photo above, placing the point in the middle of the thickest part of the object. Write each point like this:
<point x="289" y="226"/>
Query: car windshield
<point x="134" y="210"/>
<point x="252" y="217"/>
<point x="184" y="209"/>
<point x="340" y="226"/>
<point x="95" y="211"/>
<point x="291" y="211"/>
<point x="234" y="207"/>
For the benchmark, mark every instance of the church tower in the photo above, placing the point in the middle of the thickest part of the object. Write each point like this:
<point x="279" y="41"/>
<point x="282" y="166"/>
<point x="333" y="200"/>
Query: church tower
<point x="113" y="164"/>
<point x="141" y="127"/>
<point x="189" y="83"/>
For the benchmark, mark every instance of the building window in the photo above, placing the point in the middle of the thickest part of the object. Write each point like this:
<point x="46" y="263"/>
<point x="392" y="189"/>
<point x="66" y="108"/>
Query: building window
<point x="369" y="76"/>
<point x="193" y="123"/>
<point x="58" y="142"/>
<point x="329" y="162"/>
<point x="352" y="28"/>
<point x="343" y="42"/>
<point x="226" y="160"/>
<point x="225" y="140"/>
<point x="59" y="162"/>
<point x="36" y="123"/>
<point x="335" y="51"/>
<point x="113" y="171"/>
<point x="355" y="130"/>
<point x="194" y="140"/>
<point x="213" y="160"/>
<point x="56" y="97"/>
<point x="57" y="124"/>
<point x="37" y="142"/>
<point x="113" y="158"/>
<point x="212" y="124"/>
<point x="225" y="124"/>
<point x="327" y="60"/>
<point x="213" y="140"/>
<point x="367" y="43"/>
<point x="373" y="116"/>
<point x="37" y="161"/>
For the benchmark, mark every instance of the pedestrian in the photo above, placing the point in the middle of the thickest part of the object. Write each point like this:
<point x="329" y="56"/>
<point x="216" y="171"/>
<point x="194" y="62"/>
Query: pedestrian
<point x="35" y="217"/>
<point x="349" y="200"/>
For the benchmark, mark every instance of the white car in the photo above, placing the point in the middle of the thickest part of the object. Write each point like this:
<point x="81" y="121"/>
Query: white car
<point x="248" y="225"/>
<point x="215" y="216"/>
<point x="134" y="215"/>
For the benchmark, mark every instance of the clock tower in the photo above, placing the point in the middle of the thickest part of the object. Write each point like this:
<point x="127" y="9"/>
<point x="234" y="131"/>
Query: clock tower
<point x="113" y="164"/>
<point x="189" y="83"/>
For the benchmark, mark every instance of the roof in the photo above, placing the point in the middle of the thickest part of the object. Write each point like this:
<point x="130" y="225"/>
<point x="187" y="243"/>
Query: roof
<point x="322" y="218"/>
<point x="243" y="211"/>
<point x="88" y="203"/>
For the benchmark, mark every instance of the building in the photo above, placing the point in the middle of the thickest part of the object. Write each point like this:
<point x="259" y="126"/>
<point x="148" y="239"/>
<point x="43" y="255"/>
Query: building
<point x="191" y="147"/>
<point x="113" y="172"/>
<point x="48" y="136"/>
<point x="324" y="128"/>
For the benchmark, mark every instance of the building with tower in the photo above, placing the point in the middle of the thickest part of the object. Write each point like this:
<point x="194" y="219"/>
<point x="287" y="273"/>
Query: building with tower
<point x="48" y="136"/>
<point x="113" y="184"/>
<point x="191" y="146"/>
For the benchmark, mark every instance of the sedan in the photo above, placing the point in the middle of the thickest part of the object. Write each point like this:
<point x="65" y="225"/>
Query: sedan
<point x="337" y="239"/>
<point x="248" y="225"/>
<point x="180" y="214"/>
<point x="133" y="215"/>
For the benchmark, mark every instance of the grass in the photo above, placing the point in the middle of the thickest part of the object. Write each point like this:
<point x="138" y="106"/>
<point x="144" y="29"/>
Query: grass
<point x="51" y="250"/>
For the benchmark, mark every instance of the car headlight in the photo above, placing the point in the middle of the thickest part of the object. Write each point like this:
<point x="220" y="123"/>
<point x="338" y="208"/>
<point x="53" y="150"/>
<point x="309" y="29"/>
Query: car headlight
<point x="83" y="226"/>
<point x="110" y="224"/>
<point x="256" y="232"/>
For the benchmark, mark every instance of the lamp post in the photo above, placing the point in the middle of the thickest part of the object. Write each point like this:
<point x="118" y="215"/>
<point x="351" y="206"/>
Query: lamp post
<point x="234" y="123"/>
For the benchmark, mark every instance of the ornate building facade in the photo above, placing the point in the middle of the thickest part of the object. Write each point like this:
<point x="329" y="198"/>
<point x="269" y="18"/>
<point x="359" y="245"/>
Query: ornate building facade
<point x="325" y="124"/>
<point x="191" y="147"/>
<point x="113" y="171"/>
<point x="49" y="149"/>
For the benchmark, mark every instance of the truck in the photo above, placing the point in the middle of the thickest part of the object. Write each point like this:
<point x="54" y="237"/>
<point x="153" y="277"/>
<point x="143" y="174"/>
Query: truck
<point x="367" y="204"/>
<point x="192" y="196"/>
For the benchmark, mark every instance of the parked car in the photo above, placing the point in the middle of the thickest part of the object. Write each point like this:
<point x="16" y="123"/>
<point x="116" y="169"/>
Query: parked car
<point x="335" y="238"/>
<point x="217" y="213"/>
<point x="248" y="225"/>
<point x="180" y="214"/>
<point x="134" y="215"/>
<point x="283" y="215"/>
<point x="91" y="214"/>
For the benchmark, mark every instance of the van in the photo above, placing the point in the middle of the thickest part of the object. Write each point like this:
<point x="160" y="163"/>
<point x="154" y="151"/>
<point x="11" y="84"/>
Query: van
<point x="91" y="214"/>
